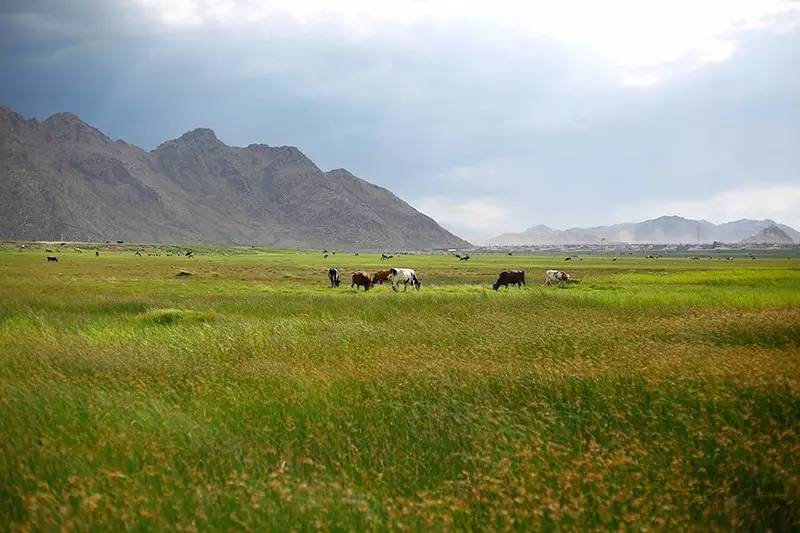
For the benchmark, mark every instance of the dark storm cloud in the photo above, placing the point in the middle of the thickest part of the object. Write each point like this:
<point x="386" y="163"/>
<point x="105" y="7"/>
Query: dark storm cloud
<point x="443" y="119"/>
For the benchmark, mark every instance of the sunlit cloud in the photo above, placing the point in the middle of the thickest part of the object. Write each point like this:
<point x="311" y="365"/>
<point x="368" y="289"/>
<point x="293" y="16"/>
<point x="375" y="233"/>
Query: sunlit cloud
<point x="643" y="43"/>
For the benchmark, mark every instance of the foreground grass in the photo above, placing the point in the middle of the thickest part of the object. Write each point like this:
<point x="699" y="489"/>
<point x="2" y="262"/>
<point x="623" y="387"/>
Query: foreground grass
<point x="249" y="395"/>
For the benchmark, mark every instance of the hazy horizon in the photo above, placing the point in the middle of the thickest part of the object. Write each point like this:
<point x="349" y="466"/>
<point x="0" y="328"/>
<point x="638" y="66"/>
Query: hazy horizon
<point x="490" y="118"/>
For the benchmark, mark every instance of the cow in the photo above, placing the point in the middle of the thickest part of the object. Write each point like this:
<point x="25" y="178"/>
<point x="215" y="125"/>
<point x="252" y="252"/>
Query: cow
<point x="361" y="279"/>
<point x="567" y="259"/>
<point x="510" y="277"/>
<point x="384" y="257"/>
<point x="464" y="258"/>
<point x="404" y="276"/>
<point x="96" y="253"/>
<point x="333" y="277"/>
<point x="52" y="258"/>
<point x="381" y="276"/>
<point x="556" y="276"/>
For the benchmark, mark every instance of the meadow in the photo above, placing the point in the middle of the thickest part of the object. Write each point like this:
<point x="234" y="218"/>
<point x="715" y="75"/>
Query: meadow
<point x="654" y="394"/>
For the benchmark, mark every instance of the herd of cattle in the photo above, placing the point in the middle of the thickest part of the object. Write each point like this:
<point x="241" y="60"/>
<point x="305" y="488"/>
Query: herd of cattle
<point x="406" y="276"/>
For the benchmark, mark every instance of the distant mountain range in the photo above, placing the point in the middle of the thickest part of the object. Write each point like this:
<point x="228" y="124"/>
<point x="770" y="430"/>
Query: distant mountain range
<point x="62" y="179"/>
<point x="662" y="230"/>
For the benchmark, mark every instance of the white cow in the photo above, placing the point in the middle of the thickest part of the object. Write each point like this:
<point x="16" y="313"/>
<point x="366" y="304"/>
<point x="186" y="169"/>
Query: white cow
<point x="404" y="276"/>
<point x="556" y="276"/>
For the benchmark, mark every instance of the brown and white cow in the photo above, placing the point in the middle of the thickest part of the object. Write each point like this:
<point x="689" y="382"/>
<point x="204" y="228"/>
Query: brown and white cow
<point x="556" y="276"/>
<point x="361" y="279"/>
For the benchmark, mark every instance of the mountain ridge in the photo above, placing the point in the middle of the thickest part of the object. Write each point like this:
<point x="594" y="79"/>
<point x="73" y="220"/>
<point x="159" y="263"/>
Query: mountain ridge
<point x="62" y="178"/>
<point x="666" y="229"/>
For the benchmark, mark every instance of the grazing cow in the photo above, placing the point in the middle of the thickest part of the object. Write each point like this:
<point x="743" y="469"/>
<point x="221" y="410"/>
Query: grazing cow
<point x="361" y="279"/>
<point x="52" y="258"/>
<point x="325" y="256"/>
<point x="189" y="254"/>
<point x="384" y="256"/>
<point x="404" y="276"/>
<point x="464" y="258"/>
<point x="556" y="276"/>
<point x="510" y="277"/>
<point x="567" y="259"/>
<point x="381" y="276"/>
<point x="96" y="253"/>
<point x="333" y="277"/>
<point x="615" y="259"/>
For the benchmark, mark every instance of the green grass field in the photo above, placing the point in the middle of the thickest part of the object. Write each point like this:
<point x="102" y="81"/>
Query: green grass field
<point x="651" y="395"/>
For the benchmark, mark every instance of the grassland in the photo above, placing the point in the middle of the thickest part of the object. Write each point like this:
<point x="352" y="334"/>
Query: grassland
<point x="654" y="394"/>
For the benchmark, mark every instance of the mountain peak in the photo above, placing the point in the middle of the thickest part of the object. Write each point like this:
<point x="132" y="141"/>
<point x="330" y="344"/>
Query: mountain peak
<point x="201" y="135"/>
<point x="69" y="127"/>
<point x="769" y="235"/>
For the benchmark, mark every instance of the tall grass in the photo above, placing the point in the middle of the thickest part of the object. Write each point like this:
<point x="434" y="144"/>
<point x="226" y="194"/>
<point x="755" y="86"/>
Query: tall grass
<point x="250" y="396"/>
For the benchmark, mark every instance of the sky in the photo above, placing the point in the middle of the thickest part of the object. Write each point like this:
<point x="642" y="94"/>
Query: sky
<point x="490" y="117"/>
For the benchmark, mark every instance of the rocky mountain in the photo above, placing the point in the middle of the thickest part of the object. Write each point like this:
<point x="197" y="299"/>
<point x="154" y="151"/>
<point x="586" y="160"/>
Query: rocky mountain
<point x="62" y="179"/>
<point x="769" y="235"/>
<point x="662" y="230"/>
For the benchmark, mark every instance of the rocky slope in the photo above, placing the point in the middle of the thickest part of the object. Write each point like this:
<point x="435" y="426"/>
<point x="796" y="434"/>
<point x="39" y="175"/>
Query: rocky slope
<point x="63" y="179"/>
<point x="769" y="235"/>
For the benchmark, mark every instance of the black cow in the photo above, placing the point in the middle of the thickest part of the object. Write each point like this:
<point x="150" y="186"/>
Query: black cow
<point x="510" y="277"/>
<point x="333" y="277"/>
<point x="52" y="258"/>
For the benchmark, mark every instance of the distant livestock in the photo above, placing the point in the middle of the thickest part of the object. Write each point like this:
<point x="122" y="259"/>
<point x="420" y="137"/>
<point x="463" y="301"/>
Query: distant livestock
<point x="384" y="257"/>
<point x="96" y="253"/>
<point x="567" y="259"/>
<point x="361" y="279"/>
<point x="510" y="277"/>
<point x="464" y="258"/>
<point x="381" y="276"/>
<point x="404" y="276"/>
<point x="556" y="276"/>
<point x="333" y="277"/>
<point x="52" y="258"/>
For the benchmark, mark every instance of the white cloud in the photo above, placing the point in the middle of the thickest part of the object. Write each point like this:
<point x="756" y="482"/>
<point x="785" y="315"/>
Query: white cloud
<point x="642" y="43"/>
<point x="780" y="203"/>
<point x="474" y="219"/>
